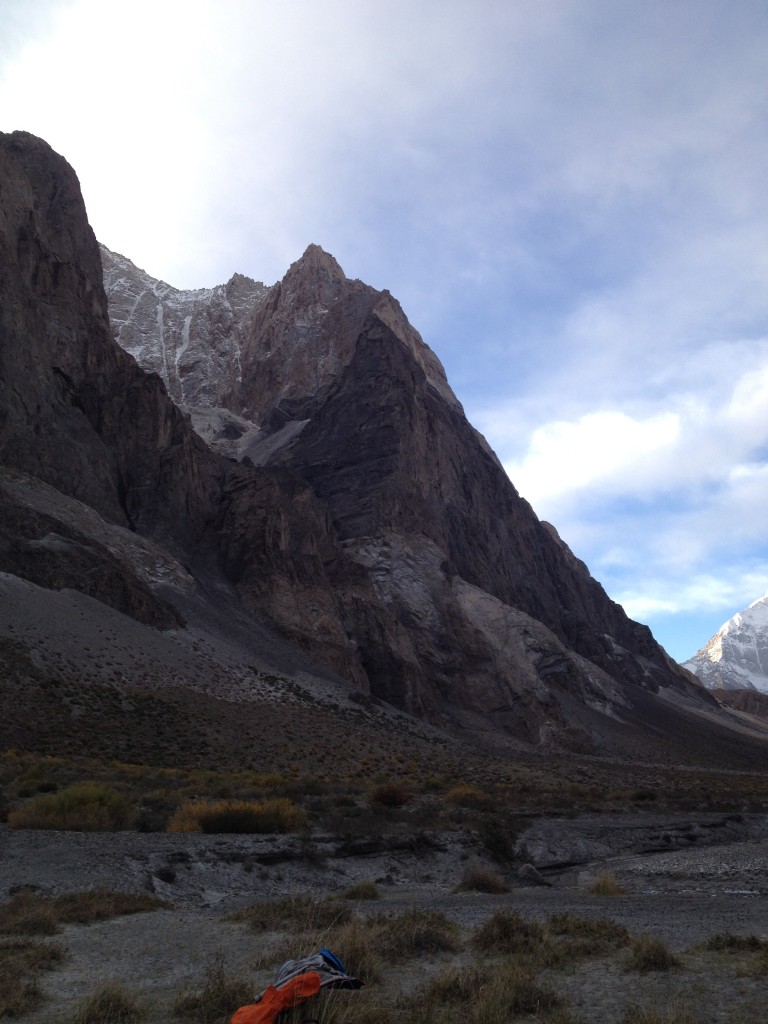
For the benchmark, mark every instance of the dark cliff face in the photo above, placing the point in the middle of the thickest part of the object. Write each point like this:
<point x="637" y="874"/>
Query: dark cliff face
<point x="380" y="534"/>
<point x="387" y="454"/>
<point x="81" y="416"/>
<point x="77" y="411"/>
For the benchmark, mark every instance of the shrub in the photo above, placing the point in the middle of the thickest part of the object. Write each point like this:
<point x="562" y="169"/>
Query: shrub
<point x="238" y="816"/>
<point x="643" y="795"/>
<point x="81" y="807"/>
<point x="389" y="794"/>
<point x="482" y="880"/>
<point x="498" y="839"/>
<point x="112" y="1004"/>
<point x="649" y="953"/>
<point x="606" y="885"/>
<point x="468" y="796"/>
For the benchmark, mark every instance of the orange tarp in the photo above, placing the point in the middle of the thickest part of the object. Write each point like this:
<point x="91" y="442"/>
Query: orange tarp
<point x="275" y="1000"/>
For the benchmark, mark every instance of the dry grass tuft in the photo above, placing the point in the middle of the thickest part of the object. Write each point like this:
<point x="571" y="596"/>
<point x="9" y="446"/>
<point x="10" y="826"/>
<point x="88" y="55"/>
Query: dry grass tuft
<point x="112" y="1004"/>
<point x="507" y="931"/>
<point x="239" y="816"/>
<point x="757" y="966"/>
<point x="21" y="963"/>
<point x="296" y="913"/>
<point x="28" y="914"/>
<point x="366" y="944"/>
<point x="218" y="998"/>
<point x="656" y="1015"/>
<point x="364" y="890"/>
<point x="650" y="953"/>
<point x="606" y="885"/>
<point x="727" y="943"/>
<point x="414" y="933"/>
<point x="483" y="995"/>
<point x="588" y="927"/>
<point x="356" y="944"/>
<point x="32" y="914"/>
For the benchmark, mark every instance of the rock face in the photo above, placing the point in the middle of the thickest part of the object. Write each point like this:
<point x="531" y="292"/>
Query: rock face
<point x="191" y="339"/>
<point x="736" y="658"/>
<point x="366" y="520"/>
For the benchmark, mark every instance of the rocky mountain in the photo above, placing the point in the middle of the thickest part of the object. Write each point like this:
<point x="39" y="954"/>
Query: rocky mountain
<point x="332" y="514"/>
<point x="736" y="657"/>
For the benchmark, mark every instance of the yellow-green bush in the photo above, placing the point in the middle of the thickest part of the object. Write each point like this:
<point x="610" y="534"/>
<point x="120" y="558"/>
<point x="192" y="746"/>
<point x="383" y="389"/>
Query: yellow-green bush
<point x="238" y="816"/>
<point x="81" y="807"/>
<point x="468" y="795"/>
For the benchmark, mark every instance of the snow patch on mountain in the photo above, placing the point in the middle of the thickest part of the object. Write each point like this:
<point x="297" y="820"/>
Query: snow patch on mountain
<point x="736" y="658"/>
<point x="192" y="339"/>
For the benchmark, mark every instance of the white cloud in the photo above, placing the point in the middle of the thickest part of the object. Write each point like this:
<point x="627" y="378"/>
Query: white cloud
<point x="703" y="441"/>
<point x="567" y="458"/>
<point x="731" y="589"/>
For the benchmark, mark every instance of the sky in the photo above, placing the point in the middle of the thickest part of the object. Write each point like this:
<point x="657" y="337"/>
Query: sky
<point x="568" y="197"/>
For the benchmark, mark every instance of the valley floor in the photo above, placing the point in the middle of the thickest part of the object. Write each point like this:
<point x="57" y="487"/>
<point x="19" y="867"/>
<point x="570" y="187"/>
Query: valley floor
<point x="684" y="896"/>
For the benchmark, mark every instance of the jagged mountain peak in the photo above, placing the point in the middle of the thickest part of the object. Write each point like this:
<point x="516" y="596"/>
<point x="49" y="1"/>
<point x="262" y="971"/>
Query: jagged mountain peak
<point x="316" y="259"/>
<point x="736" y="657"/>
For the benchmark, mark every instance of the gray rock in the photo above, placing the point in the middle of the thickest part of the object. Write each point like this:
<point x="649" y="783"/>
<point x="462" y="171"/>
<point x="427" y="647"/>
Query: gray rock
<point x="529" y="875"/>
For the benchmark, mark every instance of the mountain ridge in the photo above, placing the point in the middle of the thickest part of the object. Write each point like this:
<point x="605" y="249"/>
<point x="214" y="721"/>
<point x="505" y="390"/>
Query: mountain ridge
<point x="378" y="537"/>
<point x="736" y="657"/>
